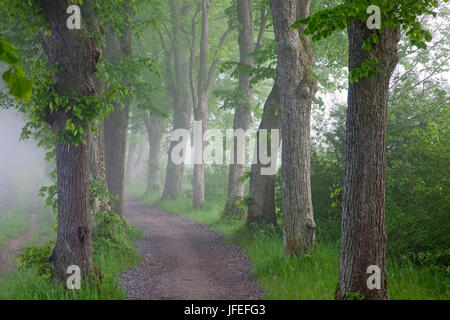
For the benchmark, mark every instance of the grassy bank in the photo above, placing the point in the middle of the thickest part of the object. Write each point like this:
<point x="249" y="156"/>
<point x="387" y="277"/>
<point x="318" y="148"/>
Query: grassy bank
<point x="113" y="254"/>
<point x="28" y="284"/>
<point x="311" y="277"/>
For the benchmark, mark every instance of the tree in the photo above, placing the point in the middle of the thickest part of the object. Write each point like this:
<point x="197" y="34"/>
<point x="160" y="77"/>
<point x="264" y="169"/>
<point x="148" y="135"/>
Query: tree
<point x="155" y="127"/>
<point x="261" y="198"/>
<point x="242" y="114"/>
<point x="363" y="202"/>
<point x="178" y="88"/>
<point x="78" y="60"/>
<point x="261" y="207"/>
<point x="116" y="125"/>
<point x="297" y="89"/>
<point x="372" y="59"/>
<point x="97" y="162"/>
<point x="67" y="106"/>
<point x="152" y="107"/>
<point x="97" y="168"/>
<point x="205" y="78"/>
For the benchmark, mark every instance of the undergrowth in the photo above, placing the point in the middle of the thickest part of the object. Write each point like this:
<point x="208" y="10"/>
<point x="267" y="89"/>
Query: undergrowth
<point x="114" y="252"/>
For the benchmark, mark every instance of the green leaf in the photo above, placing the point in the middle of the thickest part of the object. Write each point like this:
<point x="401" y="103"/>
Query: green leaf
<point x="22" y="89"/>
<point x="7" y="53"/>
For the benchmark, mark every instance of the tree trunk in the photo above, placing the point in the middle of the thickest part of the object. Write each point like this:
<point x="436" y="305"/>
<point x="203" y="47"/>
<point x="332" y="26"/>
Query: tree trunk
<point x="364" y="237"/>
<point x="97" y="165"/>
<point x="116" y="125"/>
<point x="242" y="116"/>
<point x="296" y="91"/>
<point x="261" y="208"/>
<point x="98" y="169"/>
<point x="182" y="107"/>
<point x="201" y="109"/>
<point x="74" y="240"/>
<point x="173" y="187"/>
<point x="115" y="145"/>
<point x="130" y="160"/>
<point x="76" y="54"/>
<point x="200" y="96"/>
<point x="155" y="130"/>
<point x="198" y="183"/>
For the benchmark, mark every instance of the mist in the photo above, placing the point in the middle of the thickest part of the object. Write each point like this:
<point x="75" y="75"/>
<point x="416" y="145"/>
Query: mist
<point x="22" y="163"/>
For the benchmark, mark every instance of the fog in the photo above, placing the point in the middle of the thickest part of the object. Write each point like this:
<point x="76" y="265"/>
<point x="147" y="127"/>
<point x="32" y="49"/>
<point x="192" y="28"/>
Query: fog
<point x="22" y="164"/>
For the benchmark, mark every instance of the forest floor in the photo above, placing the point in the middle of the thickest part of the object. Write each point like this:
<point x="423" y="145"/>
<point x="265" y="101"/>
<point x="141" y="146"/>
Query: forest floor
<point x="15" y="246"/>
<point x="182" y="259"/>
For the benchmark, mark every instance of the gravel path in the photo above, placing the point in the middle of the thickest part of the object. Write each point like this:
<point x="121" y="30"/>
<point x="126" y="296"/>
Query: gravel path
<point x="184" y="260"/>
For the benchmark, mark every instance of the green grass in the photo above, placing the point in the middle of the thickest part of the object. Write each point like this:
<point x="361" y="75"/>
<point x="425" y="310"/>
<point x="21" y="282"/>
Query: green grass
<point x="27" y="284"/>
<point x="14" y="221"/>
<point x="111" y="259"/>
<point x="46" y="224"/>
<point x="314" y="276"/>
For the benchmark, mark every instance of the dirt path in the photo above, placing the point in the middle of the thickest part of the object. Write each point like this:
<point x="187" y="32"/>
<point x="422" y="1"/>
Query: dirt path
<point x="184" y="260"/>
<point x="15" y="246"/>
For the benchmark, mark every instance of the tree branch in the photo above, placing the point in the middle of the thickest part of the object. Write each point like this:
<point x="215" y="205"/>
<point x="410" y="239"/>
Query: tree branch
<point x="192" y="58"/>
<point x="262" y="28"/>
<point x="212" y="69"/>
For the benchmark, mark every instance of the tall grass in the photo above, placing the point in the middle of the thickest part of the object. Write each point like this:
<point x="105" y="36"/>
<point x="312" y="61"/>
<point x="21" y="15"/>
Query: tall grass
<point x="110" y="258"/>
<point x="28" y="284"/>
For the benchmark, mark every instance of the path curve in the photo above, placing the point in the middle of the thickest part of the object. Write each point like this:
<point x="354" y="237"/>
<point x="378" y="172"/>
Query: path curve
<point x="15" y="246"/>
<point x="184" y="260"/>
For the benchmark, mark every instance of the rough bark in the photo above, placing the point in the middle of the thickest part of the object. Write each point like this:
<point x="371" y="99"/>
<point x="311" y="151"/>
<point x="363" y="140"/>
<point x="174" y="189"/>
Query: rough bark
<point x="242" y="116"/>
<point x="363" y="201"/>
<point x="297" y="89"/>
<point x="182" y="106"/>
<point x="116" y="125"/>
<point x="115" y="145"/>
<point x="74" y="240"/>
<point x="97" y="165"/>
<point x="98" y="169"/>
<point x="77" y="54"/>
<point x="261" y="207"/>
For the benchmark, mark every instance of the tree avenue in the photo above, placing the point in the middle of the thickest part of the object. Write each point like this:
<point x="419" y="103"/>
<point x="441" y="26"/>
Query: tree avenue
<point x="312" y="136"/>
